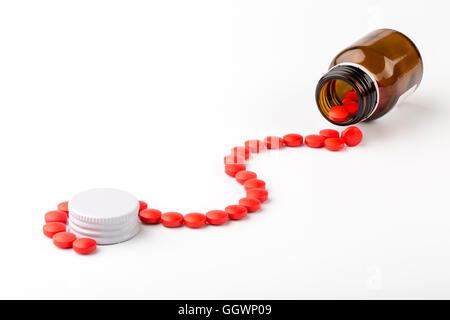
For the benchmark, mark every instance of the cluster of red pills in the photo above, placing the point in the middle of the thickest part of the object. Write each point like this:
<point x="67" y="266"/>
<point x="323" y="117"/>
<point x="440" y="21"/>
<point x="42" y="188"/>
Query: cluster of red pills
<point x="55" y="228"/>
<point x="255" y="188"/>
<point x="347" y="110"/>
<point x="256" y="192"/>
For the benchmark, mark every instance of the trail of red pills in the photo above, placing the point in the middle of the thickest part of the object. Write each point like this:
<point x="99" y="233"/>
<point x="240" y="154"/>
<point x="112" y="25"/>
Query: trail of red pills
<point x="256" y="193"/>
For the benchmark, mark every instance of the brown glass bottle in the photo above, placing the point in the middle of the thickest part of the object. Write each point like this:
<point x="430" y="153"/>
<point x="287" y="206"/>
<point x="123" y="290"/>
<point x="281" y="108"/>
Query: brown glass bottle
<point x="382" y="68"/>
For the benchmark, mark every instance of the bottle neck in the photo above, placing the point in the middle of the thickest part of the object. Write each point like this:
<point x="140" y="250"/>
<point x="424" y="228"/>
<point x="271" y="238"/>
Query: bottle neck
<point x="342" y="79"/>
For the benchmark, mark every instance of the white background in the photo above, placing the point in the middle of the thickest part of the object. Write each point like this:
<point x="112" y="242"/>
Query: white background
<point x="149" y="96"/>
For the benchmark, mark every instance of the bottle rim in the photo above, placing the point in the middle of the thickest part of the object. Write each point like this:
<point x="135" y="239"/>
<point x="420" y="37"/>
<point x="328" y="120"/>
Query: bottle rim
<point x="360" y="79"/>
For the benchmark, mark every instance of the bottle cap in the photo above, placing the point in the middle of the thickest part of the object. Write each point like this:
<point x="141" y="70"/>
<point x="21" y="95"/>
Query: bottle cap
<point x="106" y="215"/>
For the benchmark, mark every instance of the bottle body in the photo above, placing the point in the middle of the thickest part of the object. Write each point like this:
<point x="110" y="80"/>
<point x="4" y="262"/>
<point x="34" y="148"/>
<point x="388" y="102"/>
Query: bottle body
<point x="380" y="69"/>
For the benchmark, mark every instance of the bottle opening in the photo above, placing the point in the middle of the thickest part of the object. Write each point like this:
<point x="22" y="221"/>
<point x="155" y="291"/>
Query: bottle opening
<point x="338" y="93"/>
<point x="346" y="95"/>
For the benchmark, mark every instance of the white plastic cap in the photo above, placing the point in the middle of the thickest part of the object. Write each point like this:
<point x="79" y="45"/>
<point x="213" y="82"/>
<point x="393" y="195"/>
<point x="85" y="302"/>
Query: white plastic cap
<point x="105" y="215"/>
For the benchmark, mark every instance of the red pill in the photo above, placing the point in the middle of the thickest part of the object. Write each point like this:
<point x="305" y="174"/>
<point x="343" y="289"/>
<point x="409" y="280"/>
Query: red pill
<point x="194" y="220"/>
<point x="245" y="175"/>
<point x="232" y="169"/>
<point x="254" y="184"/>
<point x="56" y="216"/>
<point x="352" y="136"/>
<point x="142" y="205"/>
<point x="314" y="141"/>
<point x="255" y="146"/>
<point x="84" y="245"/>
<point x="273" y="142"/>
<point x="52" y="228"/>
<point x="230" y="159"/>
<point x="347" y="101"/>
<point x="338" y="113"/>
<point x="150" y="216"/>
<point x="64" y="239"/>
<point x="252" y="204"/>
<point x="293" y="140"/>
<point x="352" y="108"/>
<point x="329" y="133"/>
<point x="172" y="219"/>
<point x="217" y="217"/>
<point x="64" y="206"/>
<point x="260" y="194"/>
<point x="352" y="95"/>
<point x="236" y="212"/>
<point x="334" y="144"/>
<point x="241" y="152"/>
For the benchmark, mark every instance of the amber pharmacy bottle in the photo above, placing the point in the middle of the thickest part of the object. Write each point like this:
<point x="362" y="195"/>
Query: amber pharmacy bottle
<point x="382" y="68"/>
